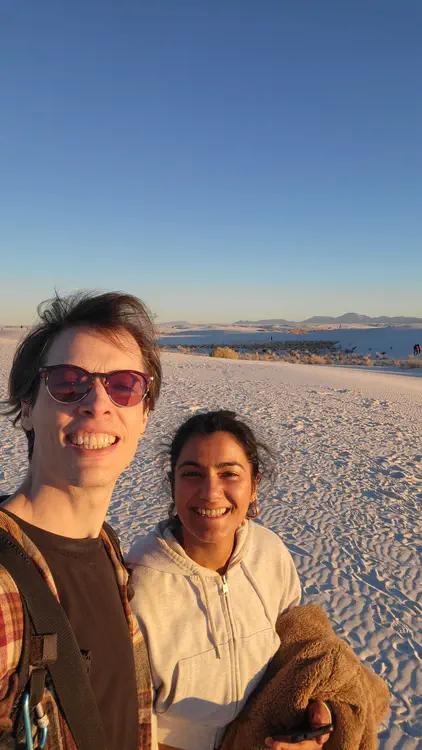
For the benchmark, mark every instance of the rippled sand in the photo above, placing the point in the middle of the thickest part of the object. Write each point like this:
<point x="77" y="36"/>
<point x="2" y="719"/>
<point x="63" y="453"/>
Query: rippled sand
<point x="346" y="498"/>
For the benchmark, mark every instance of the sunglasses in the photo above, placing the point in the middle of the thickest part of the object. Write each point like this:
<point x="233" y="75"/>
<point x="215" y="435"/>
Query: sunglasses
<point x="69" y="384"/>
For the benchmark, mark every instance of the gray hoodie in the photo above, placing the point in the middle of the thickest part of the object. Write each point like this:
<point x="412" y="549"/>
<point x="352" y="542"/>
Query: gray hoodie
<point x="209" y="637"/>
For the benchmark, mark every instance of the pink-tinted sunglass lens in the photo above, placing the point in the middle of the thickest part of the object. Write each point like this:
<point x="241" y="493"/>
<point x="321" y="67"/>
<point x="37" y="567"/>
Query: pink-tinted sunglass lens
<point x="67" y="384"/>
<point x="126" y="388"/>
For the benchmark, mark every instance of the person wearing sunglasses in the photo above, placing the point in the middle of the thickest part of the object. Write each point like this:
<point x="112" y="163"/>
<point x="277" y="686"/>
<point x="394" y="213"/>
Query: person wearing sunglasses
<point x="81" y="385"/>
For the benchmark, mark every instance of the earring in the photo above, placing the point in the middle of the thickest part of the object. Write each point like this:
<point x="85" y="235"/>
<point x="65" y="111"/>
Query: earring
<point x="255" y="510"/>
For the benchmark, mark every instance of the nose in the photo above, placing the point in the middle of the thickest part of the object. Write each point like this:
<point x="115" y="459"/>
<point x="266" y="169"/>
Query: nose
<point x="210" y="489"/>
<point x="97" y="402"/>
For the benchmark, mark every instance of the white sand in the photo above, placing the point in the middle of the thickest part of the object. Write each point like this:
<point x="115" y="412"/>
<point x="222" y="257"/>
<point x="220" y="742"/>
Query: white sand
<point x="346" y="500"/>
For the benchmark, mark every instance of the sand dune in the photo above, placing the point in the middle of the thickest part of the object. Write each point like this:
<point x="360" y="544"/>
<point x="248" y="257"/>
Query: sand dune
<point x="346" y="499"/>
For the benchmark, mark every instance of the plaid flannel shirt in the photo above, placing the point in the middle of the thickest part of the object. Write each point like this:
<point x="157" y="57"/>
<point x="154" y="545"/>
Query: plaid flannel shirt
<point x="11" y="634"/>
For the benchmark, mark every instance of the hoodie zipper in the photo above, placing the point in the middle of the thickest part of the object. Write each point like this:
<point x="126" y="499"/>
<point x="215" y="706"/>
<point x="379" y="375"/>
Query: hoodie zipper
<point x="225" y="591"/>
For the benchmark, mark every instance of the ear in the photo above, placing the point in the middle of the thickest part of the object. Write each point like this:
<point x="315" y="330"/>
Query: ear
<point x="144" y="419"/>
<point x="26" y="416"/>
<point x="255" y="484"/>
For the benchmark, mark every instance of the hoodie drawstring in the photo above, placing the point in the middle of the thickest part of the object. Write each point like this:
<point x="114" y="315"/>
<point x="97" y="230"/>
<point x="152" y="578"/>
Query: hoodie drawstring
<point x="210" y="617"/>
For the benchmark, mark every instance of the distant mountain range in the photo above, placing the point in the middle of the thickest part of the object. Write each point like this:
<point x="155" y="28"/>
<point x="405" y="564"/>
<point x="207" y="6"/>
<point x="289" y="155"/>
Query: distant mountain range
<point x="176" y="323"/>
<point x="348" y="318"/>
<point x="269" y="322"/>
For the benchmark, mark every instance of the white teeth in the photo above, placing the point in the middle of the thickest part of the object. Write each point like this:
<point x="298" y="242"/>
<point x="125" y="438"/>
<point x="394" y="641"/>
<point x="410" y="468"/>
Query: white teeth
<point x="212" y="513"/>
<point x="93" y="441"/>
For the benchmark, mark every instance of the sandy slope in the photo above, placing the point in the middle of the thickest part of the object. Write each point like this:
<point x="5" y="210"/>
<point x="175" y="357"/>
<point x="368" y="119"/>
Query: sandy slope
<point x="346" y="499"/>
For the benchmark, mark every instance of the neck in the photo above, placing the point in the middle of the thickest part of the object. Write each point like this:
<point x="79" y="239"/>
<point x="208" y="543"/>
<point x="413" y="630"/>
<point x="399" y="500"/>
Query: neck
<point x="73" y="512"/>
<point x="213" y="556"/>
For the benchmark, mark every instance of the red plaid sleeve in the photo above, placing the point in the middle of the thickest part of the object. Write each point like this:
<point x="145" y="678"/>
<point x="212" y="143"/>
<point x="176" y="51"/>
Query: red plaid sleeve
<point x="11" y="634"/>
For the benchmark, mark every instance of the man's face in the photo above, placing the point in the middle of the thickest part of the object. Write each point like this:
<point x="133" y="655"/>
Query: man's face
<point x="57" y="460"/>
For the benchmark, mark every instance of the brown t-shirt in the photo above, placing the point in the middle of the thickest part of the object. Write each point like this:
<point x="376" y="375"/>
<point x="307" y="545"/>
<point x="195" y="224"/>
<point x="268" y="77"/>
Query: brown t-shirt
<point x="88" y="592"/>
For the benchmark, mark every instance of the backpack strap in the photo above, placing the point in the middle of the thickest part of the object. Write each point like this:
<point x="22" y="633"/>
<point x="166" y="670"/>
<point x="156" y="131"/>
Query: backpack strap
<point x="68" y="673"/>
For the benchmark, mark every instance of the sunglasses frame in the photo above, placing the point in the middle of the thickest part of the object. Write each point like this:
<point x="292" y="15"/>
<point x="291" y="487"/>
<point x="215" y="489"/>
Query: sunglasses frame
<point x="44" y="372"/>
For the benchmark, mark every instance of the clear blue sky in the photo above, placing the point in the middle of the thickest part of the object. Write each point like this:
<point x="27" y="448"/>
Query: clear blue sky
<point x="222" y="159"/>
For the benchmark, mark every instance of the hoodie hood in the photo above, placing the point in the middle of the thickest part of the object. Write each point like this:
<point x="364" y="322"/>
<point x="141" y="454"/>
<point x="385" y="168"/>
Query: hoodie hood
<point x="161" y="551"/>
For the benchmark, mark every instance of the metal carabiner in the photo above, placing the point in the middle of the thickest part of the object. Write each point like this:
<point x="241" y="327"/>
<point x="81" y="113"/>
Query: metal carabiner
<point x="41" y="720"/>
<point x="27" y="721"/>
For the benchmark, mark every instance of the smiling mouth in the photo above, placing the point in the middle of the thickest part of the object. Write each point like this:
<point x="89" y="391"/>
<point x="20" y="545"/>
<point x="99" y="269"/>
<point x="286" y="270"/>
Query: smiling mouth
<point x="214" y="513"/>
<point x="92" y="441"/>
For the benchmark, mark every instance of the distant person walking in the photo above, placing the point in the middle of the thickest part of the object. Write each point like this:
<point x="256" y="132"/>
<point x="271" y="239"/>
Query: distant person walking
<point x="416" y="350"/>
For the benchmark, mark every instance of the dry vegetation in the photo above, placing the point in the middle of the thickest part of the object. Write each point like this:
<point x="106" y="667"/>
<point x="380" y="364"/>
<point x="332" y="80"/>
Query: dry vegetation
<point x="300" y="352"/>
<point x="224" y="352"/>
<point x="413" y="362"/>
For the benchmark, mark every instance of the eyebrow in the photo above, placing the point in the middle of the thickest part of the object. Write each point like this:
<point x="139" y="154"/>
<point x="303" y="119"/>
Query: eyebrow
<point x="217" y="466"/>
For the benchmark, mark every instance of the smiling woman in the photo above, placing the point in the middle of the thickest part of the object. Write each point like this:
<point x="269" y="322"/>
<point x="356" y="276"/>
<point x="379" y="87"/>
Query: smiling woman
<point x="213" y="488"/>
<point x="210" y="583"/>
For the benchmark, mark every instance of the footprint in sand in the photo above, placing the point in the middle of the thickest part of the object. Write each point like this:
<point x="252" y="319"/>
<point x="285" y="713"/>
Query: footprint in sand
<point x="192" y="408"/>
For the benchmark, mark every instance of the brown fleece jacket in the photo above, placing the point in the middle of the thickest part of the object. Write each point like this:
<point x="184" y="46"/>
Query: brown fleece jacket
<point x="312" y="663"/>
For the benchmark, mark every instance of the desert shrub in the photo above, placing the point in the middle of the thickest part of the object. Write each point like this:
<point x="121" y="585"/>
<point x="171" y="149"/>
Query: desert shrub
<point x="412" y="362"/>
<point x="224" y="352"/>
<point x="316" y="359"/>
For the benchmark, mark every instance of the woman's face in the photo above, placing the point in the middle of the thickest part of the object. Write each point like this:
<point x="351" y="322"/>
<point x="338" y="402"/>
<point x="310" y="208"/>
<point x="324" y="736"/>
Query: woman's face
<point x="213" y="487"/>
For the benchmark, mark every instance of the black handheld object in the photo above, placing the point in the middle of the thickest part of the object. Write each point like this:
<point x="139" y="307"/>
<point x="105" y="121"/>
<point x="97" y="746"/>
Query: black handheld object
<point x="304" y="734"/>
